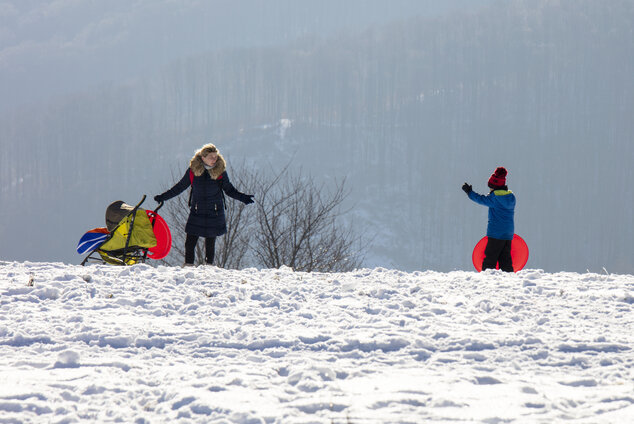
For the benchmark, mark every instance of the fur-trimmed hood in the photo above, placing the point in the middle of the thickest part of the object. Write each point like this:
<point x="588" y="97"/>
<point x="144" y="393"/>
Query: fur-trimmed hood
<point x="197" y="165"/>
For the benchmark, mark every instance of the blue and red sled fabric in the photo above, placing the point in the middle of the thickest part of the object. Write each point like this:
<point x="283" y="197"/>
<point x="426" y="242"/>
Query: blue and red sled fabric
<point x="92" y="240"/>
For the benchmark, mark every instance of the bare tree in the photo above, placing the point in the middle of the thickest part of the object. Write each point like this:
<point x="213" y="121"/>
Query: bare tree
<point x="297" y="225"/>
<point x="175" y="212"/>
<point x="294" y="223"/>
<point x="232" y="248"/>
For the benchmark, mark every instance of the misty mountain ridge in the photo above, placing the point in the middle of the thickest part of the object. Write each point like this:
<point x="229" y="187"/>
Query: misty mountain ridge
<point x="50" y="49"/>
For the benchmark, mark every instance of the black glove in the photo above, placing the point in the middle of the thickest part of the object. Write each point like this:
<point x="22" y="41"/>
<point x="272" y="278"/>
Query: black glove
<point x="247" y="199"/>
<point x="467" y="188"/>
<point x="158" y="198"/>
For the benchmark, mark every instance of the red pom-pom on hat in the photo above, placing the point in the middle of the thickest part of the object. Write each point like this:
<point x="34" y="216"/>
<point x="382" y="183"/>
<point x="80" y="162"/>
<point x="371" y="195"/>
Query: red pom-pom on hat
<point x="498" y="178"/>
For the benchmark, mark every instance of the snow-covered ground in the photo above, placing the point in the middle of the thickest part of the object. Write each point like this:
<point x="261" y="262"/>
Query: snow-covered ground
<point x="143" y="344"/>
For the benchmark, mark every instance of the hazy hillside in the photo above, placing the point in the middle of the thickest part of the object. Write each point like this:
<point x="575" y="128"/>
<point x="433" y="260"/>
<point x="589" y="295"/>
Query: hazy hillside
<point x="49" y="47"/>
<point x="407" y="112"/>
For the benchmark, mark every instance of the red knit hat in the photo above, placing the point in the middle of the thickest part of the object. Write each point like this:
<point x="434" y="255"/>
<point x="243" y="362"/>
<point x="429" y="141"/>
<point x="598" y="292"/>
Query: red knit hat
<point x="498" y="178"/>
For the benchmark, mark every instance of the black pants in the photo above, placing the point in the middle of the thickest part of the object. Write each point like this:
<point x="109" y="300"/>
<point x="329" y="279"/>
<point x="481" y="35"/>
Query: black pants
<point x="190" y="248"/>
<point x="498" y="251"/>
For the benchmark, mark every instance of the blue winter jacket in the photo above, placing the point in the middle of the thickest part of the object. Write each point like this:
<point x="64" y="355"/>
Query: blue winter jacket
<point x="501" y="205"/>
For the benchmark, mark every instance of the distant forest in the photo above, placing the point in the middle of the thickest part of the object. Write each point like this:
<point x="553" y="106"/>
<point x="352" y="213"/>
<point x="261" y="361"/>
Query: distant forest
<point x="405" y="112"/>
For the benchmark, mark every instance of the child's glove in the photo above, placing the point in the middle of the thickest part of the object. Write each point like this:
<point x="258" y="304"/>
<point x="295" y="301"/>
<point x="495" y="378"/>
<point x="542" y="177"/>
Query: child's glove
<point x="467" y="188"/>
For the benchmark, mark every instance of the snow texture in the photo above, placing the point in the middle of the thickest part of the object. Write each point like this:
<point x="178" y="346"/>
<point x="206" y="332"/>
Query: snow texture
<point x="158" y="344"/>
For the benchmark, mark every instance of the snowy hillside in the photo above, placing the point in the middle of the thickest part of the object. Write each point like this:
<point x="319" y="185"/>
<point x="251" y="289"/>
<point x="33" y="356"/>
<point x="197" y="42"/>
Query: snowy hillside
<point x="144" y="344"/>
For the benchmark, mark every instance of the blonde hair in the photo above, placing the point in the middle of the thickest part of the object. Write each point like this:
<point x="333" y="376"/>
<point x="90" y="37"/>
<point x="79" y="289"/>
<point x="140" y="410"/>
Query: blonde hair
<point x="208" y="148"/>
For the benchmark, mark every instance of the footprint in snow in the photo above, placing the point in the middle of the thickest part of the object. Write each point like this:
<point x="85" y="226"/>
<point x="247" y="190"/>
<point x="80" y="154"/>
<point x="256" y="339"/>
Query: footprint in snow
<point x="487" y="380"/>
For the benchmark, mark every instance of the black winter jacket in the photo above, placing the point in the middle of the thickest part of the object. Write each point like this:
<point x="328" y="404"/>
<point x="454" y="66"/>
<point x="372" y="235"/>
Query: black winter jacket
<point x="207" y="211"/>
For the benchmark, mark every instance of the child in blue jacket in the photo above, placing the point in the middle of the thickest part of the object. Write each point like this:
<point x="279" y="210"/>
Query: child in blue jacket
<point x="501" y="228"/>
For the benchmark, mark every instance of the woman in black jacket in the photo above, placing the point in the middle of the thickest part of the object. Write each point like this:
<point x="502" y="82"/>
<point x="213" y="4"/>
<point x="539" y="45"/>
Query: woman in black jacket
<point x="208" y="178"/>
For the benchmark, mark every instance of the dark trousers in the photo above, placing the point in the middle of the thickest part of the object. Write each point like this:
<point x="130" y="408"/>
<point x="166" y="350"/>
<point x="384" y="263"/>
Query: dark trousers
<point x="190" y="248"/>
<point x="498" y="251"/>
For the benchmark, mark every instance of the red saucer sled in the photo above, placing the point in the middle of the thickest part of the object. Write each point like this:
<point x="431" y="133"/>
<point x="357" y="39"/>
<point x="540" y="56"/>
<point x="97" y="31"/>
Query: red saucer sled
<point x="519" y="253"/>
<point x="162" y="234"/>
